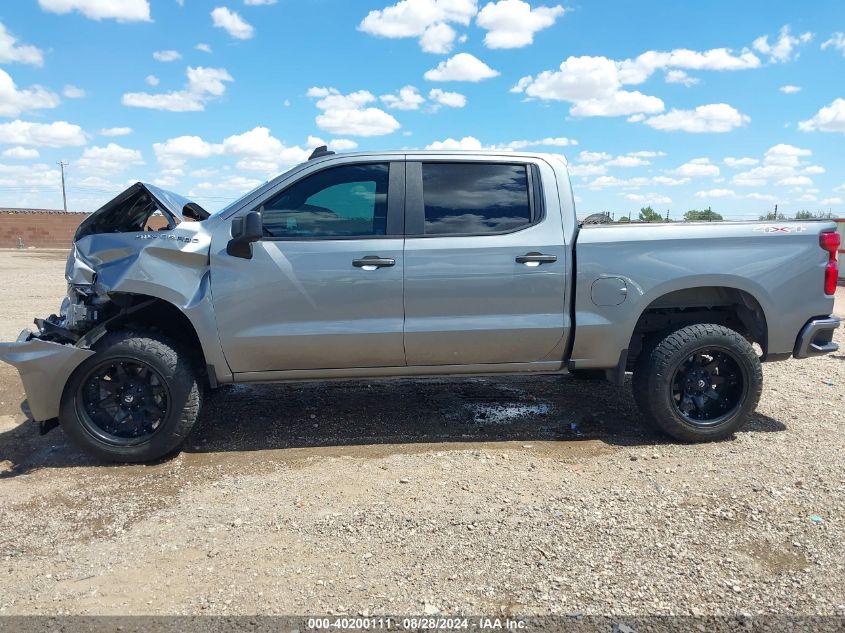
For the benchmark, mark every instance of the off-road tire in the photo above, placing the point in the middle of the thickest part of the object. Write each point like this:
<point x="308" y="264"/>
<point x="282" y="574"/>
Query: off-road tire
<point x="661" y="358"/>
<point x="180" y="377"/>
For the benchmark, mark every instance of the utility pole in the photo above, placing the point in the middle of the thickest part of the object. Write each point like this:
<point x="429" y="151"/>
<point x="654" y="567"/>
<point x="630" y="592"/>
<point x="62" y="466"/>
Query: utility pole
<point x="62" y="164"/>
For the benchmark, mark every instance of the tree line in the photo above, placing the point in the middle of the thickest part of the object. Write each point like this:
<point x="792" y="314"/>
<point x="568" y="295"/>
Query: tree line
<point x="647" y="214"/>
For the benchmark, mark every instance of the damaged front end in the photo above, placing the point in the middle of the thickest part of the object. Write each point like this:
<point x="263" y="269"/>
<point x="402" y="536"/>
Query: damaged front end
<point x="144" y="246"/>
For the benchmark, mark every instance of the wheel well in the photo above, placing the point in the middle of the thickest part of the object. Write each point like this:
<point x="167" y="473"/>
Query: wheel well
<point x="152" y="313"/>
<point x="730" y="307"/>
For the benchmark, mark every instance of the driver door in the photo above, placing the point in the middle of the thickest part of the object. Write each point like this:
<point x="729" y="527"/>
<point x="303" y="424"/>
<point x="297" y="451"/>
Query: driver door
<point x="324" y="287"/>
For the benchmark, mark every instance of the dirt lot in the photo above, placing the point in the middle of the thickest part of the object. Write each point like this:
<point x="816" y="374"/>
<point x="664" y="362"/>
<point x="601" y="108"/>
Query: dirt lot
<point x="511" y="495"/>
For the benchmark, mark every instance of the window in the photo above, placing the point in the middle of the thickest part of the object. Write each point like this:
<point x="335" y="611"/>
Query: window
<point x="467" y="198"/>
<point x="345" y="201"/>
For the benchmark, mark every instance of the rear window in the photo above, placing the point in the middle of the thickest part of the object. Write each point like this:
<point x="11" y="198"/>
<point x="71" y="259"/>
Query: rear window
<point x="475" y="198"/>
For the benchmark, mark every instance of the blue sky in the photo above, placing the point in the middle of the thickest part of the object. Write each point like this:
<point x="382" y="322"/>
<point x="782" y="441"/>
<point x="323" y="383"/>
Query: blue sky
<point x="681" y="105"/>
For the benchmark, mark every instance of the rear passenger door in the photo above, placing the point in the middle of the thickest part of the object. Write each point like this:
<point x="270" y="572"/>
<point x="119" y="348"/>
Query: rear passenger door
<point x="484" y="264"/>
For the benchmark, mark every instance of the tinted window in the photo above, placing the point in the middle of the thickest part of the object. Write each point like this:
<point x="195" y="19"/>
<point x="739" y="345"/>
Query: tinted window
<point x="474" y="197"/>
<point x="339" y="202"/>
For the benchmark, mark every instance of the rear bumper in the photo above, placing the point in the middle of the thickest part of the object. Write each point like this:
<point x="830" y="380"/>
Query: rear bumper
<point x="44" y="367"/>
<point x="816" y="338"/>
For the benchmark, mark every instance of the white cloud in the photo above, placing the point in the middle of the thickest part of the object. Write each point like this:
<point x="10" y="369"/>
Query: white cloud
<point x="681" y="77"/>
<point x="175" y="152"/>
<point x="116" y="131"/>
<point x="794" y="181"/>
<point x="829" y="119"/>
<point x="593" y="87"/>
<point x="58" y="134"/>
<point x="109" y="159"/>
<point x="649" y="198"/>
<point x="73" y="92"/>
<point x="408" y="98"/>
<point x="780" y="162"/>
<point x="461" y="67"/>
<point x="167" y="56"/>
<point x="11" y="51"/>
<point x="836" y="42"/>
<point x="204" y="84"/>
<point x="467" y="142"/>
<point x="449" y="99"/>
<point x="427" y="20"/>
<point x="716" y="193"/>
<point x="639" y="69"/>
<point x="790" y="89"/>
<point x="513" y="23"/>
<point x="666" y="181"/>
<point x="20" y="153"/>
<point x="260" y="151"/>
<point x="232" y="23"/>
<point x="438" y="38"/>
<point x="122" y="11"/>
<point x="762" y="197"/>
<point x="737" y="163"/>
<point x="715" y="117"/>
<point x="698" y="168"/>
<point x="152" y="80"/>
<point x="783" y="154"/>
<point x="342" y="145"/>
<point x="557" y="141"/>
<point x="13" y="101"/>
<point x="627" y="161"/>
<point x="205" y="48"/>
<point x="620" y="103"/>
<point x="831" y="201"/>
<point x="782" y="48"/>
<point x="593" y="157"/>
<point x="348" y="114"/>
<point x="587" y="169"/>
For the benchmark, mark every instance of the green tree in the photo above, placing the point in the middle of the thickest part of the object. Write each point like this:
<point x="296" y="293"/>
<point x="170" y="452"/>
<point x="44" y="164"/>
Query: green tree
<point x="647" y="214"/>
<point x="809" y="215"/>
<point x="773" y="215"/>
<point x="624" y="218"/>
<point x="704" y="215"/>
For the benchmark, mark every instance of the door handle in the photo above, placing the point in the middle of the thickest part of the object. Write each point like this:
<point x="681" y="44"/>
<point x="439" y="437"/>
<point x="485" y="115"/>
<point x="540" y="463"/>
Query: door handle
<point x="371" y="262"/>
<point x="535" y="259"/>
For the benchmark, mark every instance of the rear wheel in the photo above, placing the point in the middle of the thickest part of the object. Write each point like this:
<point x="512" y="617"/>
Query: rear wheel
<point x="135" y="400"/>
<point x="699" y="383"/>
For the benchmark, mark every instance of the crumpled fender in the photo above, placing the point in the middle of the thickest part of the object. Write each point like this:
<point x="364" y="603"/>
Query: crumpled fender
<point x="44" y="367"/>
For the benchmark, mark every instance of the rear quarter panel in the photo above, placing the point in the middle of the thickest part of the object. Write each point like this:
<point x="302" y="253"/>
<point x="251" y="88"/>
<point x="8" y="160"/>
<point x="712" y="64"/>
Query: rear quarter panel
<point x="783" y="271"/>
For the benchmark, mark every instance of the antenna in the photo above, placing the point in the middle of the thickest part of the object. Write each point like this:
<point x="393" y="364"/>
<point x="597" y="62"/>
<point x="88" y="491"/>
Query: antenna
<point x="319" y="152"/>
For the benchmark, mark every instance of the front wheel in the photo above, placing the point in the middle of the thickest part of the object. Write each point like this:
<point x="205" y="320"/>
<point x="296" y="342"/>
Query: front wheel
<point x="699" y="383"/>
<point x="135" y="400"/>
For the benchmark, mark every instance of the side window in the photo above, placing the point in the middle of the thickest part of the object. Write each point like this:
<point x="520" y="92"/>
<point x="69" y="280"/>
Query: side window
<point x="475" y="198"/>
<point x="345" y="201"/>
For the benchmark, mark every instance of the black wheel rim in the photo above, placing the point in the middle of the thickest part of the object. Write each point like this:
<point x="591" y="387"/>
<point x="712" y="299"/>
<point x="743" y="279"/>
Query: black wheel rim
<point x="708" y="387"/>
<point x="123" y="401"/>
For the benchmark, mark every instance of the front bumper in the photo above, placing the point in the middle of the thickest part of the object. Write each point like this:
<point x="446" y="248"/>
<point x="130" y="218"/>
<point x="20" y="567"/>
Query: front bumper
<point x="44" y="367"/>
<point x="816" y="338"/>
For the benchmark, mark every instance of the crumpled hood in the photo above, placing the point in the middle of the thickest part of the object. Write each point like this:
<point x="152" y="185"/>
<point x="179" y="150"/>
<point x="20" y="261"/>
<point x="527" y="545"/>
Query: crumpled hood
<point x="131" y="209"/>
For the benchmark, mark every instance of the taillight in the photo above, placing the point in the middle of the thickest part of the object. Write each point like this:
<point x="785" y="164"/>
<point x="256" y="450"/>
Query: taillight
<point x="830" y="242"/>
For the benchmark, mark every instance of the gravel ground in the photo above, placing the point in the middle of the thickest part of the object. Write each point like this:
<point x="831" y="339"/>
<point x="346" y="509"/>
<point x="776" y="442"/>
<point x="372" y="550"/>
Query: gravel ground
<point x="527" y="495"/>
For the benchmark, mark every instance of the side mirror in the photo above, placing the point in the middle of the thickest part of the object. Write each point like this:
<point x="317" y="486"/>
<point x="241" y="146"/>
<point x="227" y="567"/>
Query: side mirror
<point x="245" y="231"/>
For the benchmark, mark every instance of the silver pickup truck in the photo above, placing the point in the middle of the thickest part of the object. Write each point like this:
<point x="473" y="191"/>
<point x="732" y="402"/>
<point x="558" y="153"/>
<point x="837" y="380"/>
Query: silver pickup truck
<point x="415" y="263"/>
